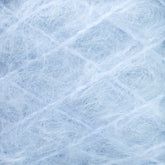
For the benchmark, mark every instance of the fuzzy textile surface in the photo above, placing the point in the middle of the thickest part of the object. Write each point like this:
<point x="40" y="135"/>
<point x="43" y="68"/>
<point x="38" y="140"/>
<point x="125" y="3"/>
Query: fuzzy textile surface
<point x="82" y="82"/>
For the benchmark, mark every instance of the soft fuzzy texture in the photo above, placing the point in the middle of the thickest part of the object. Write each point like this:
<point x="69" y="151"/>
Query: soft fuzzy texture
<point x="82" y="82"/>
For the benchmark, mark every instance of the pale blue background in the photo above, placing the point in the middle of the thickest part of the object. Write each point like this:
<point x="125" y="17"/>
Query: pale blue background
<point x="82" y="82"/>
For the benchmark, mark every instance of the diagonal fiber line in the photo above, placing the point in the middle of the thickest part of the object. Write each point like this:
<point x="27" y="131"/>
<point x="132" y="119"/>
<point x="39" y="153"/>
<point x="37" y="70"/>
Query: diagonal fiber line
<point x="15" y="25"/>
<point x="70" y="39"/>
<point x="95" y="131"/>
<point x="116" y="67"/>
